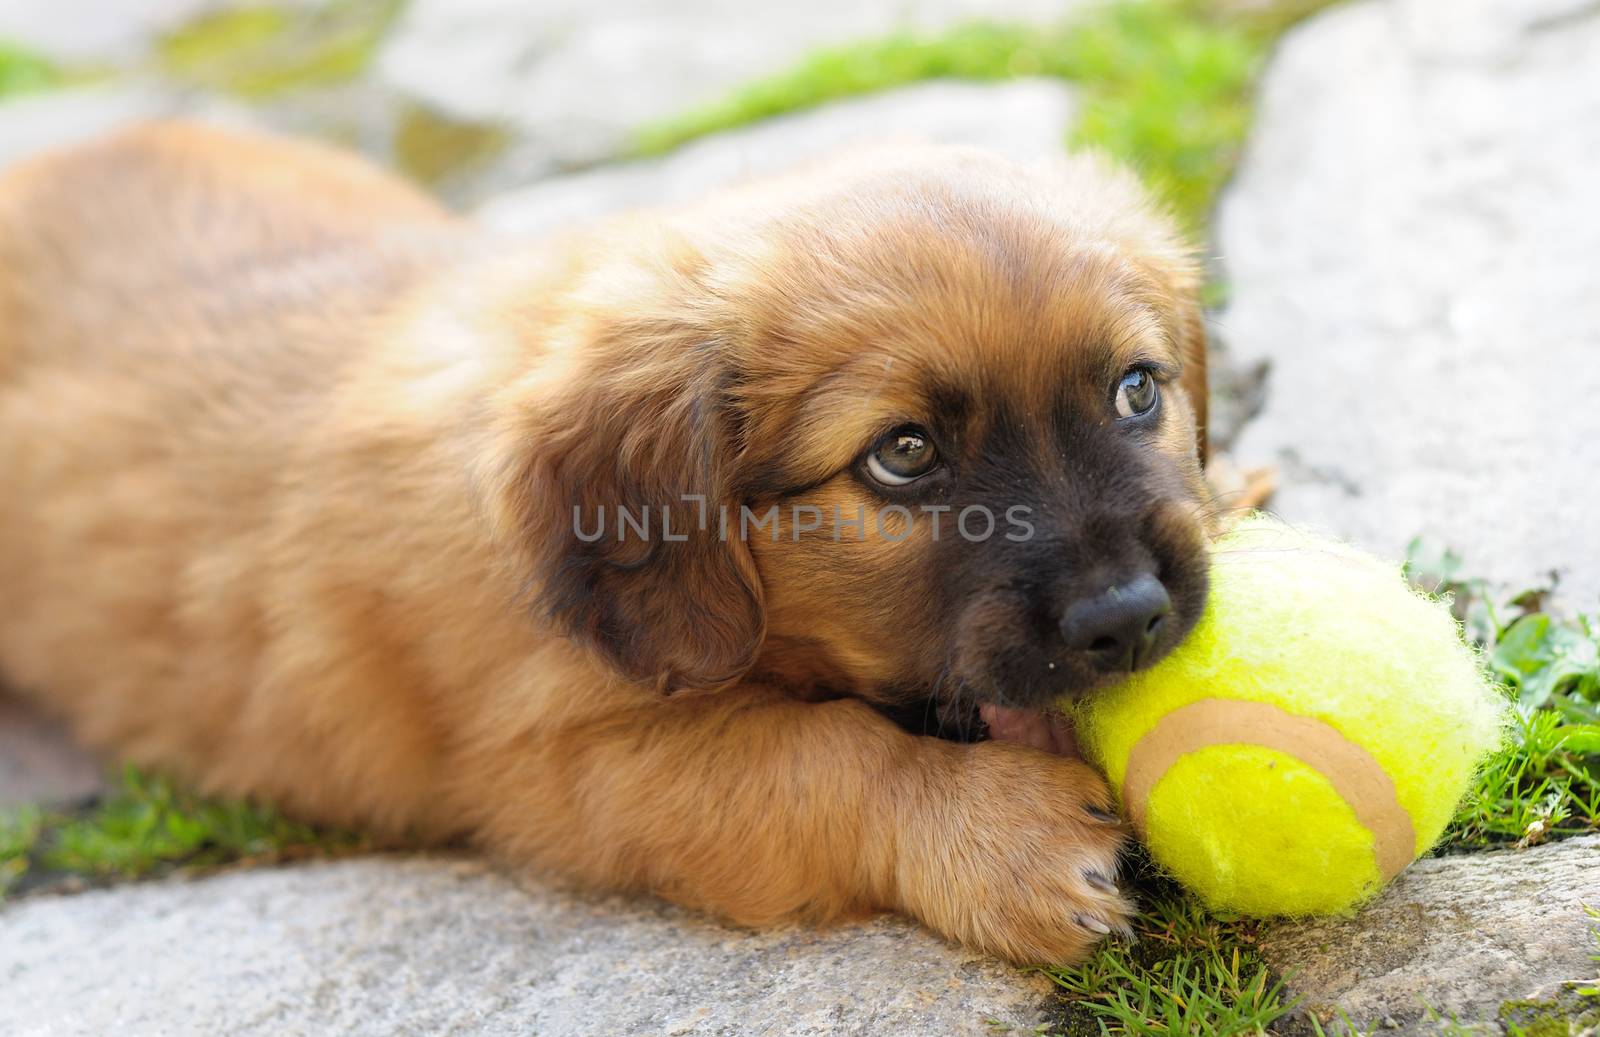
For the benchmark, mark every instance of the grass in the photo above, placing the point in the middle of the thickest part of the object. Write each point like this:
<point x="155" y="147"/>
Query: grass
<point x="149" y="825"/>
<point x="1187" y="972"/>
<point x="1165" y="86"/>
<point x="19" y="831"/>
<point x="260" y="51"/>
<point x="254" y="51"/>
<point x="1544" y="783"/>
<point x="22" y="71"/>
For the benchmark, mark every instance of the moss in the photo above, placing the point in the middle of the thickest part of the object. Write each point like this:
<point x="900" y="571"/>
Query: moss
<point x="1561" y="1017"/>
<point x="258" y="52"/>
<point x="1166" y="85"/>
<point x="1575" y="1011"/>
<point x="147" y="826"/>
<point x="431" y="147"/>
<point x="19" y="832"/>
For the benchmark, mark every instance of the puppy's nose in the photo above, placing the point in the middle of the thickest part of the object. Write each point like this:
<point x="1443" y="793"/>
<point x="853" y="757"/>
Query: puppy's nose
<point x="1118" y="628"/>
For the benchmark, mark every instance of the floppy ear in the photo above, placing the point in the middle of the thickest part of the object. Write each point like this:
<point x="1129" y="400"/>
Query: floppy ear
<point x="610" y="483"/>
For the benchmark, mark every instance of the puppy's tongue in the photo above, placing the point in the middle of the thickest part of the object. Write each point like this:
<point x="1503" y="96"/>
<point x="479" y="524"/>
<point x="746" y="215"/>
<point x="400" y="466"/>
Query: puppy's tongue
<point x="1036" y="728"/>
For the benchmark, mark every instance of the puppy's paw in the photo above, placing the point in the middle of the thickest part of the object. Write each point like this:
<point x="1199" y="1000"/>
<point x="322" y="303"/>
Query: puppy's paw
<point x="1015" y="852"/>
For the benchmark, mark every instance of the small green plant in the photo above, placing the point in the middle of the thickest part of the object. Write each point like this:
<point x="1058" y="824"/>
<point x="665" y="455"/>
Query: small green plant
<point x="1544" y="783"/>
<point x="146" y="825"/>
<point x="1593" y="989"/>
<point x="1166" y="85"/>
<point x="1540" y="786"/>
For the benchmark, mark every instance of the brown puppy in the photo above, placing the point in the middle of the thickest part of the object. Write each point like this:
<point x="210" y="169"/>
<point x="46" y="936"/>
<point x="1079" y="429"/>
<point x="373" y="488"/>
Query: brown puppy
<point x="300" y="480"/>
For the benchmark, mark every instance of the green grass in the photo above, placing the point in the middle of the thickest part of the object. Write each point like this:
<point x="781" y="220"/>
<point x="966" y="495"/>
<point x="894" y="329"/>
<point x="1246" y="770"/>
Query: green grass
<point x="19" y="831"/>
<point x="1186" y="972"/>
<point x="1544" y="783"/>
<point x="149" y="825"/>
<point x="260" y="51"/>
<point x="1165" y="85"/>
<point x="255" y="51"/>
<point x="22" y="71"/>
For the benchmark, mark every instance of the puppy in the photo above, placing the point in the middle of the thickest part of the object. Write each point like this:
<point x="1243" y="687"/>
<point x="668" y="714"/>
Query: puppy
<point x="301" y="478"/>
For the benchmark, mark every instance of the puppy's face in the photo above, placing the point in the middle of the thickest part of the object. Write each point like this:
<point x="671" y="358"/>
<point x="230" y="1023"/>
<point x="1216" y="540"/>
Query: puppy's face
<point x="944" y="412"/>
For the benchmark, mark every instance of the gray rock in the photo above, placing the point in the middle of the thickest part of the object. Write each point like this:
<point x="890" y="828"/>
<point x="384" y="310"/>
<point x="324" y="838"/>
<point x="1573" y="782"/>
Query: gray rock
<point x="439" y="945"/>
<point x="1025" y="119"/>
<point x="577" y="77"/>
<point x="1411" y="242"/>
<point x="40" y="122"/>
<point x="352" y="115"/>
<point x="1459" y="935"/>
<point x="95" y="32"/>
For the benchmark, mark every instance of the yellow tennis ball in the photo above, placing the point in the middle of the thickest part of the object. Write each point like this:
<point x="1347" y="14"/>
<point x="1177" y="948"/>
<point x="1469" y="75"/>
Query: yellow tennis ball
<point x="1308" y="740"/>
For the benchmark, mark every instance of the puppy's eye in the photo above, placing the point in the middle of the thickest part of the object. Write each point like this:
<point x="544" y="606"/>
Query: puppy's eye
<point x="903" y="456"/>
<point x="1137" y="393"/>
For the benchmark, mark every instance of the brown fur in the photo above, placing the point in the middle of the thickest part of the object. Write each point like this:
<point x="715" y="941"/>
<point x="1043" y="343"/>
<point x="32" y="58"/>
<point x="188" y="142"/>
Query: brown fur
<point x="288" y="463"/>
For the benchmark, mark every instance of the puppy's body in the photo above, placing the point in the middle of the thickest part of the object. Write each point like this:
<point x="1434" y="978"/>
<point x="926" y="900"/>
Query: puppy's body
<point x="287" y="456"/>
<point x="177" y="324"/>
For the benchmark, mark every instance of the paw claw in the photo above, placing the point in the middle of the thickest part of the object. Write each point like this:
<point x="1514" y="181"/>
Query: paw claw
<point x="1100" y="882"/>
<point x="1094" y="925"/>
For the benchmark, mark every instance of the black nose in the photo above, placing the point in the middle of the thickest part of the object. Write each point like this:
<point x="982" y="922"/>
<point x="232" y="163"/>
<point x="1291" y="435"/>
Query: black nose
<point x="1118" y="627"/>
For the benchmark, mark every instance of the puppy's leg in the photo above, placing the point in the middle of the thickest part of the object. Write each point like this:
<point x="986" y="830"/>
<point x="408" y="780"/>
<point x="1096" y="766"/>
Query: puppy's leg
<point x="763" y="809"/>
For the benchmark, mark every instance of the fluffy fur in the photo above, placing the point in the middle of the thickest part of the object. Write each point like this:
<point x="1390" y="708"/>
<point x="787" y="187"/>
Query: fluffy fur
<point x="289" y="463"/>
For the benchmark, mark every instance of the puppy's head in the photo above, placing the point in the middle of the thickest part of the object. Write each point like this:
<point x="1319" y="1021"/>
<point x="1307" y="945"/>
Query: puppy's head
<point x="925" y="429"/>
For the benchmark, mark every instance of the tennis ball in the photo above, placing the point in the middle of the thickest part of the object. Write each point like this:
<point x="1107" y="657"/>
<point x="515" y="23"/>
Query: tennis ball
<point x="1308" y="740"/>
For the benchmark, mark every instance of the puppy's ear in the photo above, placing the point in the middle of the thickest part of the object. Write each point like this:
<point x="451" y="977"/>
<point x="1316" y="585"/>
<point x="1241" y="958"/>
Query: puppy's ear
<point x="610" y="487"/>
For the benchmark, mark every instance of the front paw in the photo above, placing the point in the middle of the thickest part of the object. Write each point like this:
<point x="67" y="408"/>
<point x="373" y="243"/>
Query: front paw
<point x="1013" y="851"/>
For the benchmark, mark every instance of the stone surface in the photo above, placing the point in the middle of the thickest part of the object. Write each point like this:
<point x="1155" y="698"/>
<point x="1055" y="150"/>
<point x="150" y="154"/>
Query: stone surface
<point x="1459" y="935"/>
<point x="39" y="122"/>
<point x="577" y="77"/>
<point x="1410" y="242"/>
<point x="439" y="945"/>
<point x="95" y="32"/>
<point x="39" y="762"/>
<point x="1025" y="119"/>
